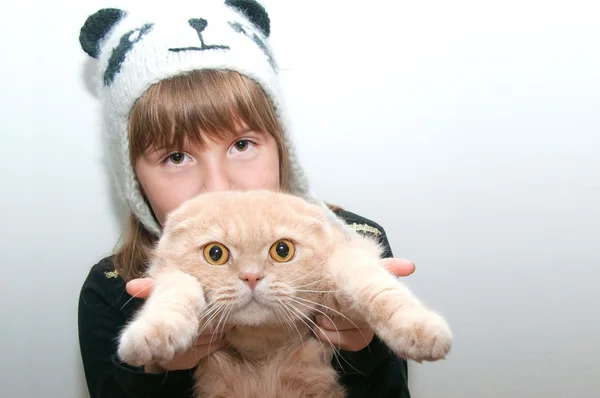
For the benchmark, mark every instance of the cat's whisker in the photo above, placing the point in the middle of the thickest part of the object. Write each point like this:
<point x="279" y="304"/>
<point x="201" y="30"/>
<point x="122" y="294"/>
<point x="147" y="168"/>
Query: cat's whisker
<point x="225" y="293"/>
<point x="227" y="313"/>
<point x="211" y="315"/>
<point x="306" y="275"/>
<point x="293" y="310"/>
<point x="227" y="316"/>
<point x="291" y="319"/>
<point x="336" y="353"/>
<point x="337" y="313"/>
<point x="225" y="297"/>
<point x="311" y="283"/>
<point x="211" y="308"/>
<point x="315" y="309"/>
<point x="216" y="330"/>
<point x="316" y="291"/>
<point x="135" y="296"/>
<point x="212" y="334"/>
<point x="334" y="348"/>
<point x="224" y="317"/>
<point x="279" y="311"/>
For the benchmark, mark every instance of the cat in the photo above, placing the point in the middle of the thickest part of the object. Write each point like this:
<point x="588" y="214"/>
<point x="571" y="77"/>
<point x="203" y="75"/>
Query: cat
<point x="264" y="263"/>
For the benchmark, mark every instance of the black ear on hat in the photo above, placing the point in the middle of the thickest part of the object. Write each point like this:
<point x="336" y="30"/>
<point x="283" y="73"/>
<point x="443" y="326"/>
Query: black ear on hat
<point x="255" y="12"/>
<point x="96" y="27"/>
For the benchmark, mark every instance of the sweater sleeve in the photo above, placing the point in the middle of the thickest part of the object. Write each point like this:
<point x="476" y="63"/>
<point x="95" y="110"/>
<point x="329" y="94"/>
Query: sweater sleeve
<point x="101" y="316"/>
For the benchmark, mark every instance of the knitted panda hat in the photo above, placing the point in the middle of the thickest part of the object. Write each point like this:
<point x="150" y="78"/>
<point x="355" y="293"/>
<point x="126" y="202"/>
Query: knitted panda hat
<point x="136" y="49"/>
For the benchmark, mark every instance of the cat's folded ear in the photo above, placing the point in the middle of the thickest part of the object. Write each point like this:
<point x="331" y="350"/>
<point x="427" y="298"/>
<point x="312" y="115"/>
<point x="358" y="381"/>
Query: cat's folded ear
<point x="316" y="226"/>
<point x="179" y="222"/>
<point x="160" y="261"/>
<point x="176" y="229"/>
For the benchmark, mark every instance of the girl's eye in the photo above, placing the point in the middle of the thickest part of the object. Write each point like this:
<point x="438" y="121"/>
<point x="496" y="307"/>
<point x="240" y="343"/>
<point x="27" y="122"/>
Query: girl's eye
<point x="176" y="158"/>
<point x="242" y="145"/>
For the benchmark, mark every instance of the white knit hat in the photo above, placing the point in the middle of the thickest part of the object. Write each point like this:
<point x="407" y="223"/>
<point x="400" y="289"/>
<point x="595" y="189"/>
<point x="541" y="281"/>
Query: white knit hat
<point x="135" y="49"/>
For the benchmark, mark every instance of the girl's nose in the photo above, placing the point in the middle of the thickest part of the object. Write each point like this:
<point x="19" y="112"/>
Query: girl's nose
<point x="216" y="179"/>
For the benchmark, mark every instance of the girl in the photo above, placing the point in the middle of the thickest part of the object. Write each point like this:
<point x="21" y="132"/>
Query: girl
<point x="192" y="104"/>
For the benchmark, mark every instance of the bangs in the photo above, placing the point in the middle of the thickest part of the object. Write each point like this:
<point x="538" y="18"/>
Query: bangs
<point x="197" y="106"/>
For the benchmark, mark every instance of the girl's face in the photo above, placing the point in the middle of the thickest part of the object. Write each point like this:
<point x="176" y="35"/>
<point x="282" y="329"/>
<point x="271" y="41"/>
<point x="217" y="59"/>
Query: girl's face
<point x="247" y="161"/>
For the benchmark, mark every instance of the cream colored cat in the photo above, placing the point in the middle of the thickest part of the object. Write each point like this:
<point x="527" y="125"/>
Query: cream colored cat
<point x="265" y="263"/>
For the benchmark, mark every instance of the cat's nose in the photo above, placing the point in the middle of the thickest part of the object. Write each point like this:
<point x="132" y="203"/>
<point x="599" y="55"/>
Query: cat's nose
<point x="251" y="277"/>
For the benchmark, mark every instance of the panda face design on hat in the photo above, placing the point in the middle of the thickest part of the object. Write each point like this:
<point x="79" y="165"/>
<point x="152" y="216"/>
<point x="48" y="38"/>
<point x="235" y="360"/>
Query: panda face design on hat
<point x="99" y="26"/>
<point x="135" y="49"/>
<point x="138" y="43"/>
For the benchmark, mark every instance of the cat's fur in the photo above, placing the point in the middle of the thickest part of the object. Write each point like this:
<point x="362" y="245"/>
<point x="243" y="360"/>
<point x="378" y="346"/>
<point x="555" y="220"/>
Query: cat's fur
<point x="271" y="352"/>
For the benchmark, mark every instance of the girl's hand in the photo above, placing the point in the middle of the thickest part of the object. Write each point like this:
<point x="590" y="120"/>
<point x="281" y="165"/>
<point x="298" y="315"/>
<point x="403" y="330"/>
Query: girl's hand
<point x="206" y="344"/>
<point x="341" y="332"/>
<point x="355" y="335"/>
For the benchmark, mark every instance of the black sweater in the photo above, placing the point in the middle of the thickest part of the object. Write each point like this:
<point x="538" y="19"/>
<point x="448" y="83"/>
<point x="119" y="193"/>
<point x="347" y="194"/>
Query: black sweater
<point x="105" y="307"/>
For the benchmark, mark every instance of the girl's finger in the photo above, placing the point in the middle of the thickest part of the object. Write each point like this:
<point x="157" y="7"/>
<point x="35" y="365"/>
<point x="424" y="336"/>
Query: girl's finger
<point x="349" y="340"/>
<point x="398" y="266"/>
<point x="190" y="358"/>
<point x="140" y="288"/>
<point x="209" y="330"/>
<point x="208" y="339"/>
<point x="339" y="323"/>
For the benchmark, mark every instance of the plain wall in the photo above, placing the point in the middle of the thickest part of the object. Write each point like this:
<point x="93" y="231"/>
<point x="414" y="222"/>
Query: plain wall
<point x="468" y="129"/>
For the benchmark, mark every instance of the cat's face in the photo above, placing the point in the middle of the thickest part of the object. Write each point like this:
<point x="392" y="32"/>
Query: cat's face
<point x="259" y="255"/>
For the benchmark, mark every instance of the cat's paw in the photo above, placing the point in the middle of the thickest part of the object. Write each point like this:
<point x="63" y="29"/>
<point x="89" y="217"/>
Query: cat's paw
<point x="146" y="341"/>
<point x="424" y="336"/>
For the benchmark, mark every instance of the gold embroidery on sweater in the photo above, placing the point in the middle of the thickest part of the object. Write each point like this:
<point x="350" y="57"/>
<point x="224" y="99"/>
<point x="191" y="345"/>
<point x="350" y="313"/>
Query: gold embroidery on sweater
<point x="112" y="274"/>
<point x="366" y="228"/>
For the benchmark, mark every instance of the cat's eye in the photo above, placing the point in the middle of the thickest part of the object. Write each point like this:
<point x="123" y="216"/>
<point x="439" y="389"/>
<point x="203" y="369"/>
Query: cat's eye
<point x="282" y="251"/>
<point x="216" y="254"/>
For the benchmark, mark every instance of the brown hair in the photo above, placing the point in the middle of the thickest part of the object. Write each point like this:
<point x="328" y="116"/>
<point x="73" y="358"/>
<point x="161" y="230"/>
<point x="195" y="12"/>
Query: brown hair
<point x="207" y="103"/>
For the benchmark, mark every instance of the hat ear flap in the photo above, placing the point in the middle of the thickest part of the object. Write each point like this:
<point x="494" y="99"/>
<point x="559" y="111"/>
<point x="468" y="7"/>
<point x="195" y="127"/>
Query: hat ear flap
<point x="96" y="27"/>
<point x="255" y="12"/>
